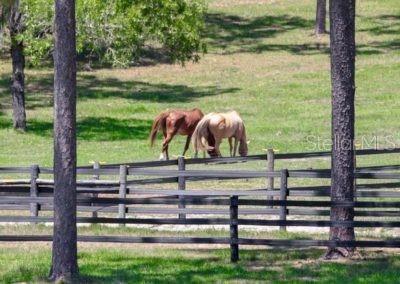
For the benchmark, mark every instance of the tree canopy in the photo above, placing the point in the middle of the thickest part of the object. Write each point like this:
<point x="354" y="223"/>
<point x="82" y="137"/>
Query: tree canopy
<point x="119" y="32"/>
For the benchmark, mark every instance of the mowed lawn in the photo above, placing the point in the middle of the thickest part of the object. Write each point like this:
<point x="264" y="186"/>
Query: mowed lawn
<point x="263" y="61"/>
<point x="158" y="264"/>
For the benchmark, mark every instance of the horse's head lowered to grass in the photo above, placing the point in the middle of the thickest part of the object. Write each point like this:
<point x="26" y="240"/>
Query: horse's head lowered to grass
<point x="213" y="127"/>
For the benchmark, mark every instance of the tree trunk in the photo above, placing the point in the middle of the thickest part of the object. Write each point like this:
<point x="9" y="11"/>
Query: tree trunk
<point x="2" y="14"/>
<point x="64" y="263"/>
<point x="320" y="27"/>
<point x="18" y="65"/>
<point x="342" y="18"/>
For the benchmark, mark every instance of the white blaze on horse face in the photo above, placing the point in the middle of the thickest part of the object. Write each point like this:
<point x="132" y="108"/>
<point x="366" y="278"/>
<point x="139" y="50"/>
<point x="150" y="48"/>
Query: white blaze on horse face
<point x="162" y="157"/>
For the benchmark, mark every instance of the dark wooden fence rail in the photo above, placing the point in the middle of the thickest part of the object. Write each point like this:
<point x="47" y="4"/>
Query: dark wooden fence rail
<point x="232" y="200"/>
<point x="113" y="169"/>
<point x="122" y="188"/>
<point x="35" y="194"/>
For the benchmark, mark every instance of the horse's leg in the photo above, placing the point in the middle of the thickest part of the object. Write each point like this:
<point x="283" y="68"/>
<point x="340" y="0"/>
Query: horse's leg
<point x="165" y="147"/>
<point x="235" y="146"/>
<point x="163" y="155"/>
<point x="167" y="139"/>
<point x="187" y="144"/>
<point x="166" y="150"/>
<point x="170" y="134"/>
<point x="230" y="147"/>
<point x="217" y="144"/>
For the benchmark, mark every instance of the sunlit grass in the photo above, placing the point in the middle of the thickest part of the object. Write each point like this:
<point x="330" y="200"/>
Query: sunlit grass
<point x="157" y="264"/>
<point x="263" y="61"/>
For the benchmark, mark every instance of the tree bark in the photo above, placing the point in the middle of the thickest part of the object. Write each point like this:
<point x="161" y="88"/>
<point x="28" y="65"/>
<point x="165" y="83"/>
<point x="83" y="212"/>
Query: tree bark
<point x="18" y="66"/>
<point x="342" y="18"/>
<point x="64" y="262"/>
<point x="320" y="20"/>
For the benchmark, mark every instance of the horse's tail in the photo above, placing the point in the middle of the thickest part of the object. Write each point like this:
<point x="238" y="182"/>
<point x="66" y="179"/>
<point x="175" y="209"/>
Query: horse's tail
<point x="159" y="122"/>
<point x="243" y="148"/>
<point x="201" y="133"/>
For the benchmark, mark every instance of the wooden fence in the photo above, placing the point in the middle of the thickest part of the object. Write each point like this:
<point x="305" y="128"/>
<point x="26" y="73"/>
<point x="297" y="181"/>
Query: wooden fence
<point x="209" y="207"/>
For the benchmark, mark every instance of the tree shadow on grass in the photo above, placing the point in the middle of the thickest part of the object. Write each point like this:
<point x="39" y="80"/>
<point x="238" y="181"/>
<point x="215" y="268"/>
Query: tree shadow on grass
<point x="235" y="34"/>
<point x="99" y="128"/>
<point x="168" y="269"/>
<point x="383" y="25"/>
<point x="271" y="265"/>
<point x="39" y="94"/>
<point x="4" y="121"/>
<point x="92" y="88"/>
<point x="39" y="91"/>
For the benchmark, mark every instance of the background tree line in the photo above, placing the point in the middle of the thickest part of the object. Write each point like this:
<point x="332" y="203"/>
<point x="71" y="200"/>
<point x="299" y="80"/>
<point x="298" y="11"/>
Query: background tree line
<point x="116" y="32"/>
<point x="109" y="32"/>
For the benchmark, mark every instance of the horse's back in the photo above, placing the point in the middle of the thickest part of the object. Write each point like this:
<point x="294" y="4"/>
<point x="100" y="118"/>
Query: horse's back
<point x="224" y="125"/>
<point x="185" y="121"/>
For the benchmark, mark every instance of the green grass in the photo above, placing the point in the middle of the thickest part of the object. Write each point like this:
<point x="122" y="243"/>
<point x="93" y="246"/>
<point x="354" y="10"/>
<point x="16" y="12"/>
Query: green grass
<point x="157" y="264"/>
<point x="263" y="61"/>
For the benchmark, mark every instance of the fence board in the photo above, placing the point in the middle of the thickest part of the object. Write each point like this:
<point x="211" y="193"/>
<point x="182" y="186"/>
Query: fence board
<point x="188" y="240"/>
<point x="319" y="243"/>
<point x="206" y="201"/>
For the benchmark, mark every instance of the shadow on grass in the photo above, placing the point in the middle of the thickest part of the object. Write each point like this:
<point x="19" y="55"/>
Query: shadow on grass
<point x="207" y="266"/>
<point x="39" y="91"/>
<point x="39" y="94"/>
<point x="384" y="24"/>
<point x="99" y="128"/>
<point x="213" y="267"/>
<point x="274" y="265"/>
<point x="236" y="34"/>
<point x="92" y="88"/>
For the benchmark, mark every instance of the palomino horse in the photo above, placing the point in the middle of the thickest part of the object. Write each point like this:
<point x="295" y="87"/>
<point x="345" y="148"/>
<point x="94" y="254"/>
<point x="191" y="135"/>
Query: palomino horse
<point x="213" y="127"/>
<point x="175" y="122"/>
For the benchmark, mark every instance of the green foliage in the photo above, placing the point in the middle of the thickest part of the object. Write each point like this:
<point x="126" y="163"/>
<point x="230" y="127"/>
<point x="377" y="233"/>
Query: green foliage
<point x="117" y="32"/>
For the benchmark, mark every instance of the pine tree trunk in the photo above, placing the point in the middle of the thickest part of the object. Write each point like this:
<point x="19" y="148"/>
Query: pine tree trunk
<point x="320" y="27"/>
<point x="64" y="263"/>
<point x="1" y="27"/>
<point x="18" y="65"/>
<point x="342" y="18"/>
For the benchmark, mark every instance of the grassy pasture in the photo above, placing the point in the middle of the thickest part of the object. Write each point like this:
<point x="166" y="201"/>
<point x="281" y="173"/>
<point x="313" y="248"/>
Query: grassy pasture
<point x="159" y="264"/>
<point x="263" y="61"/>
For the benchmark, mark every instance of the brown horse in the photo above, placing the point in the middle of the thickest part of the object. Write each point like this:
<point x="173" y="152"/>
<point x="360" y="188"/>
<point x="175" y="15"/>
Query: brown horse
<point x="213" y="127"/>
<point x="175" y="122"/>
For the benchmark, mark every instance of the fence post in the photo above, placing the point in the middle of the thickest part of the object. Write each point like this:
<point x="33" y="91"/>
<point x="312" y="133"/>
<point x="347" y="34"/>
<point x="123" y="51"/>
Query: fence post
<point x="233" y="228"/>
<point x="283" y="198"/>
<point x="181" y="185"/>
<point x="270" y="168"/>
<point x="34" y="190"/>
<point x="122" y="190"/>
<point x="355" y="171"/>
<point x="96" y="176"/>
